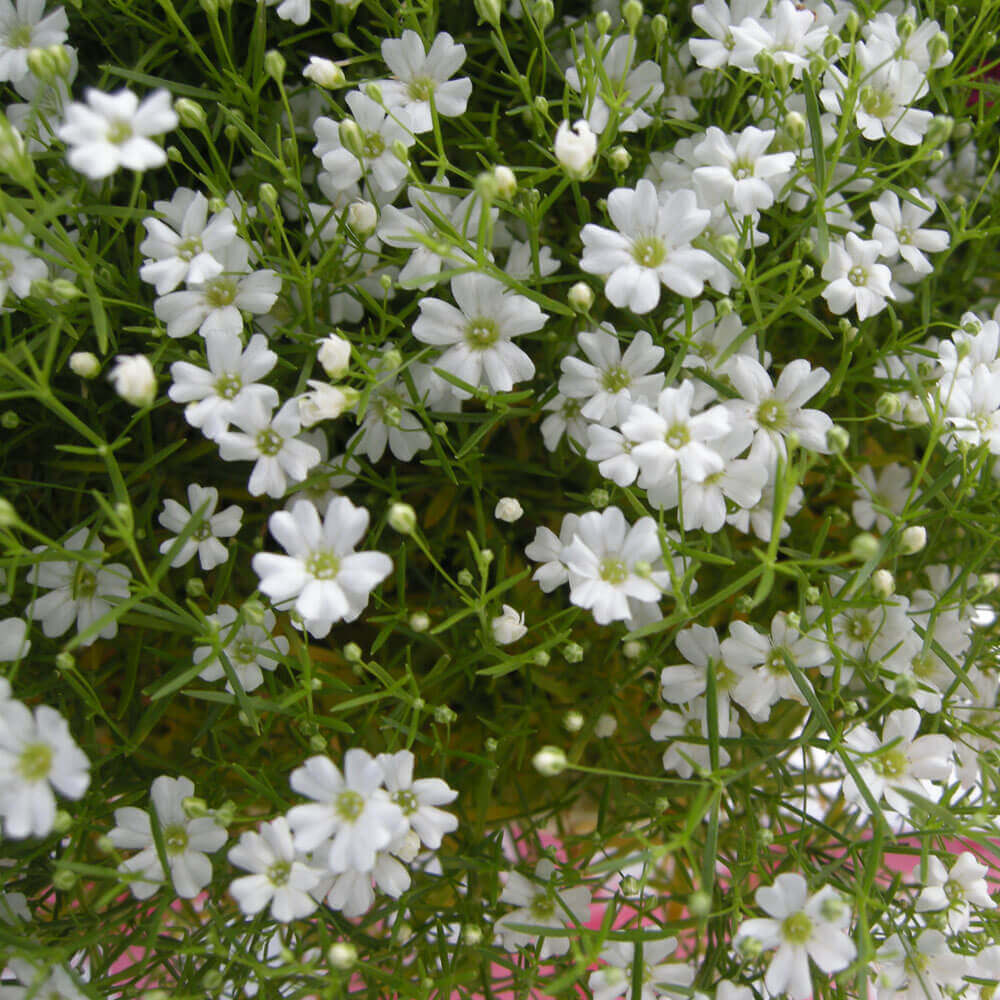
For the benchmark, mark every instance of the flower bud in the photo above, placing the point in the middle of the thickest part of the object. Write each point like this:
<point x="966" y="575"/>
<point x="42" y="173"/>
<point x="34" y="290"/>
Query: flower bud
<point x="605" y="726"/>
<point x="795" y="126"/>
<point x="541" y="104"/>
<point x="420" y="621"/>
<point x="374" y="93"/>
<point x="812" y="594"/>
<point x="352" y="653"/>
<point x="632" y="649"/>
<point x="572" y="652"/>
<point x="599" y="498"/>
<point x="619" y="159"/>
<point x="325" y="402"/>
<point x="913" y="539"/>
<point x="937" y="48"/>
<point x="883" y="583"/>
<point x="342" y="955"/>
<point x="632" y="14"/>
<point x="334" y="355"/>
<point x="65" y="661"/>
<point x="15" y="161"/>
<point x="486" y="186"/>
<point x="63" y="879"/>
<point x="581" y="297"/>
<point x="505" y="183"/>
<point x="489" y="11"/>
<point x="508" y="509"/>
<point x="194" y="587"/>
<point x="190" y="113"/>
<point x="351" y="137"/>
<point x="573" y="721"/>
<point x="888" y="405"/>
<point x="602" y="22"/>
<point x="444" y="715"/>
<point x="939" y="130"/>
<point x="575" y="148"/>
<point x="465" y="578"/>
<point x="324" y="73"/>
<point x="549" y="761"/>
<point x="837" y="438"/>
<point x="508" y="627"/>
<point x="318" y="744"/>
<point x="402" y="518"/>
<point x="362" y="217"/>
<point x="472" y="935"/>
<point x="864" y="546"/>
<point x="274" y="64"/>
<point x="400" y="151"/>
<point x="699" y="903"/>
<point x="541" y="658"/>
<point x="134" y="379"/>
<point x="194" y="807"/>
<point x="84" y="364"/>
<point x="658" y="27"/>
<point x="8" y="516"/>
<point x="543" y="12"/>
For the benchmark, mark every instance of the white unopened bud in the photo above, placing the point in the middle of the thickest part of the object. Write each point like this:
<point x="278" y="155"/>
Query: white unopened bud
<point x="619" y="159"/>
<point x="134" y="379"/>
<point x="573" y="721"/>
<point x="581" y="297"/>
<point x="883" y="583"/>
<point x="362" y="217"/>
<point x="84" y="364"/>
<point x="549" y="761"/>
<point x="402" y="518"/>
<point x="334" y="355"/>
<point x="508" y="509"/>
<point x="605" y="726"/>
<point x="575" y="148"/>
<point x="342" y="955"/>
<point x="864" y="546"/>
<point x="913" y="539"/>
<point x="506" y="182"/>
<point x="325" y="402"/>
<point x="508" y="627"/>
<point x="324" y="73"/>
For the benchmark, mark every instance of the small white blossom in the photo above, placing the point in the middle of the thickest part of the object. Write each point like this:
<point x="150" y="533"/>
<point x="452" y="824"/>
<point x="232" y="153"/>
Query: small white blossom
<point x="250" y="648"/>
<point x="24" y="26"/>
<point x="134" y="379"/>
<point x="575" y="148"/>
<point x="508" y="627"/>
<point x="204" y="540"/>
<point x="855" y="280"/>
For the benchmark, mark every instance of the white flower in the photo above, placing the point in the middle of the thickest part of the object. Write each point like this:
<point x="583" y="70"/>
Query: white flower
<point x="351" y="815"/>
<point x="217" y="303"/>
<point x="230" y="381"/>
<point x="717" y="18"/>
<point x="18" y="268"/>
<point x="322" y="575"/>
<point x="37" y="755"/>
<point x="134" y="379"/>
<point x="682" y="682"/>
<point x="271" y="442"/>
<point x="855" y="280"/>
<point x="898" y="229"/>
<point x="323" y="72"/>
<point x="671" y="436"/>
<point x="898" y="762"/>
<point x="602" y="559"/>
<point x="279" y="877"/>
<point x="652" y="245"/>
<point x="974" y="410"/>
<point x="325" y="402"/>
<point x="657" y="978"/>
<point x="954" y="890"/>
<point x="78" y="590"/>
<point x="508" y="509"/>
<point x="508" y="627"/>
<point x="421" y="78"/>
<point x="687" y="730"/>
<point x="184" y="252"/>
<point x="575" y="148"/>
<point x="377" y="131"/>
<point x="249" y="647"/>
<point x="334" y="355"/>
<point x="800" y="927"/>
<point x="187" y="842"/>
<point x="547" y="548"/>
<point x="478" y="334"/>
<point x="204" y="540"/>
<point x="776" y="411"/>
<point x="610" y="380"/>
<point x="13" y="642"/>
<point x="113" y="130"/>
<point x="879" y="498"/>
<point x="24" y="27"/>
<point x="418" y="800"/>
<point x="740" y="174"/>
<point x="296" y="11"/>
<point x="388" y="416"/>
<point x="541" y="904"/>
<point x="919" y="969"/>
<point x="791" y="38"/>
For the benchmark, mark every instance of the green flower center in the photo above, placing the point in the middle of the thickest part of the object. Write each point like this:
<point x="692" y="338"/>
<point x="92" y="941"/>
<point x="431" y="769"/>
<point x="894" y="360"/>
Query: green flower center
<point x="904" y="236"/>
<point x="923" y="666"/>
<point x="481" y="333"/>
<point x="243" y="650"/>
<point x="6" y="268"/>
<point x="857" y="276"/>
<point x="797" y="928"/>
<point x="543" y="907"/>
<point x="678" y="436"/>
<point x="725" y="679"/>
<point x="649" y="251"/>
<point x="279" y="872"/>
<point x="859" y="629"/>
<point x="323" y="565"/>
<point x="954" y="890"/>
<point x="228" y="387"/>
<point x="35" y="762"/>
<point x="189" y="248"/>
<point x="19" y="37"/>
<point x="421" y="88"/>
<point x="877" y="103"/>
<point x="406" y="801"/>
<point x="617" y="378"/>
<point x="742" y="169"/>
<point x="119" y="131"/>
<point x="269" y="442"/>
<point x="891" y="763"/>
<point x="771" y="414"/>
<point x="203" y="531"/>
<point x="221" y="292"/>
<point x="776" y="662"/>
<point x="614" y="571"/>
<point x="373" y="146"/>
<point x="175" y="839"/>
<point x="350" y="805"/>
<point x="84" y="584"/>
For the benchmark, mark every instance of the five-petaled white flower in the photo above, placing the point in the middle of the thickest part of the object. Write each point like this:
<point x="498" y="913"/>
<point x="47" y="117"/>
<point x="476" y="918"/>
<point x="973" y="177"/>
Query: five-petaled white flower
<point x="204" y="540"/>
<point x="322" y="575"/>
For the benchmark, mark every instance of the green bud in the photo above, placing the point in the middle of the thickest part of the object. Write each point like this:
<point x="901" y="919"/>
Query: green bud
<point x="465" y="578"/>
<point x="939" y="130"/>
<point x="837" y="438"/>
<point x="632" y="14"/>
<point x="541" y="658"/>
<point x="573" y="721"/>
<point x="352" y="653"/>
<point x="9" y="420"/>
<point x="541" y="104"/>
<point x="937" y="47"/>
<point x="864" y="546"/>
<point x="543" y="12"/>
<point x="275" y="64"/>
<point x="795" y="126"/>
<point x="190" y="113"/>
<point x="602" y="22"/>
<point x="225" y="814"/>
<point x="212" y="980"/>
<point x="888" y="405"/>
<point x="341" y="954"/>
<point x="765" y="837"/>
<point x="194" y="807"/>
<point x="318" y="744"/>
<point x="658" y="27"/>
<point x="174" y="155"/>
<point x="402" y="518"/>
<point x="15" y="161"/>
<point x="374" y="92"/>
<point x="63" y="879"/>
<point x="62" y="822"/>
<point x="812" y="594"/>
<point x="490" y="745"/>
<point x="195" y="587"/>
<point x="599" y="498"/>
<point x="629" y="886"/>
<point x="905" y="26"/>
<point x="420" y="621"/>
<point x="486" y="186"/>
<point x="268" y="194"/>
<point x="472" y="935"/>
<point x="445" y="715"/>
<point x="619" y="159"/>
<point x="699" y="903"/>
<point x="572" y="652"/>
<point x="351" y="137"/>
<point x="65" y="661"/>
<point x="852" y="22"/>
<point x="488" y="11"/>
<point x="550" y="761"/>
